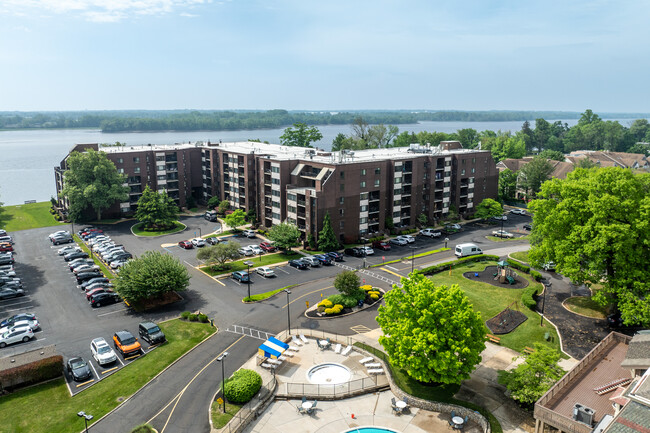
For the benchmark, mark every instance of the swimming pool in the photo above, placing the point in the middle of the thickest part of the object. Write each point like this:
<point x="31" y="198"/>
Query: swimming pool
<point x="370" y="430"/>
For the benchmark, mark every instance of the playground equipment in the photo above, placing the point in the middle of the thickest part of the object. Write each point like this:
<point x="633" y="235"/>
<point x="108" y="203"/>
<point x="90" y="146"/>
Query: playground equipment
<point x="504" y="273"/>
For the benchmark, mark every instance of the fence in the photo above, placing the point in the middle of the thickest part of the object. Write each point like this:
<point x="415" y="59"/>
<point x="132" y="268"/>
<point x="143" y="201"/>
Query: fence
<point x="250" y="410"/>
<point x="312" y="390"/>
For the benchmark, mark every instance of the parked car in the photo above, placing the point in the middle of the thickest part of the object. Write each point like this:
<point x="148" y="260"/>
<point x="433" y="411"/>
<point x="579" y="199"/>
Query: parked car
<point x="7" y="292"/>
<point x="78" y="369"/>
<point x="7" y="268"/>
<point x="58" y="233"/>
<point x="7" y="238"/>
<point x="62" y="239"/>
<point x="98" y="286"/>
<point x="338" y="257"/>
<point x="9" y="321"/>
<point x="186" y="244"/>
<point x="266" y="246"/>
<point x="85" y="268"/>
<point x="68" y="249"/>
<point x="241" y="276"/>
<point x="356" y="252"/>
<point x="212" y="240"/>
<point x="126" y="343"/>
<point x="118" y="255"/>
<point x="500" y="218"/>
<point x="198" y="242"/>
<point x="33" y="324"/>
<point x="100" y="280"/>
<point x="528" y="227"/>
<point x="265" y="271"/>
<point x="7" y="273"/>
<point x="381" y="245"/>
<point x="74" y="264"/>
<point x="151" y="333"/>
<point x="97" y="291"/>
<point x="432" y="233"/>
<point x="398" y="241"/>
<point x="83" y="276"/>
<point x="312" y="261"/>
<point x="116" y="264"/>
<point x="246" y="251"/>
<point x="502" y="234"/>
<point x="210" y="215"/>
<point x="102" y="352"/>
<point x="6" y="259"/>
<point x="368" y="251"/>
<point x="324" y="259"/>
<point x="75" y="255"/>
<point x="549" y="266"/>
<point x="408" y="238"/>
<point x="6" y="246"/>
<point x="16" y="334"/>
<point x="450" y="229"/>
<point x="249" y="233"/>
<point x="517" y="211"/>
<point x="299" y="264"/>
<point x="104" y="299"/>
<point x="256" y="250"/>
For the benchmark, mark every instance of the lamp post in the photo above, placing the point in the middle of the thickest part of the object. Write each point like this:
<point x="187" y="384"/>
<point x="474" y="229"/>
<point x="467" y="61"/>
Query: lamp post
<point x="223" y="379"/>
<point x="446" y="240"/>
<point x="546" y="287"/>
<point x="86" y="418"/>
<point x="288" y="292"/>
<point x="248" y="274"/>
<point x="412" y="257"/>
<point x="364" y="252"/>
<point x="199" y="231"/>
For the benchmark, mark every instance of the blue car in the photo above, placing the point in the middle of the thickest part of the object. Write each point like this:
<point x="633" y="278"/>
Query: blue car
<point x="241" y="276"/>
<point x="324" y="259"/>
<point x="338" y="257"/>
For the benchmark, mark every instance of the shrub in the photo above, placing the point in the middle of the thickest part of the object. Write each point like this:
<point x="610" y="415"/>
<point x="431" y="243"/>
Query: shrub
<point x="193" y="317"/>
<point x="346" y="301"/>
<point x="185" y="315"/>
<point x="326" y="303"/>
<point x="536" y="275"/>
<point x="242" y="386"/>
<point x="519" y="266"/>
<point x="528" y="296"/>
<point x="34" y="372"/>
<point x="329" y="311"/>
<point x="374" y="296"/>
<point x="203" y="318"/>
<point x="367" y="287"/>
<point x="144" y="428"/>
<point x="376" y="238"/>
<point x="336" y="309"/>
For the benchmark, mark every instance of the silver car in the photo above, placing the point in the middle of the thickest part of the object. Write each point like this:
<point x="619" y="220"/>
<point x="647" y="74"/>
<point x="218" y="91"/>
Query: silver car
<point x="16" y="334"/>
<point x="102" y="352"/>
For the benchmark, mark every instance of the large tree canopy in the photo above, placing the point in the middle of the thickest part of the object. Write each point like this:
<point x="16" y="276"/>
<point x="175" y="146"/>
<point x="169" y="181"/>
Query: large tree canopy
<point x="285" y="235"/>
<point x="326" y="238"/>
<point x="150" y="275"/>
<point x="595" y="225"/>
<point x="536" y="172"/>
<point x="156" y="210"/>
<point x="488" y="208"/>
<point x="300" y="135"/>
<point x="217" y="255"/>
<point x="431" y="332"/>
<point x="92" y="180"/>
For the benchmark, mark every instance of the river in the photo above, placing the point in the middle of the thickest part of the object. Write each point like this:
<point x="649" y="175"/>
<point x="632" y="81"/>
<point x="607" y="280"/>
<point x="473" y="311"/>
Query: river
<point x="28" y="156"/>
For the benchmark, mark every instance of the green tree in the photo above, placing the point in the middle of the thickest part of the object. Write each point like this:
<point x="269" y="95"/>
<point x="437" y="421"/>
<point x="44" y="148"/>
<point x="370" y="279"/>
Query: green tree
<point x="389" y="222"/>
<point x="285" y="235"/>
<point x="552" y="154"/>
<point x="488" y="208"/>
<point x="380" y="136"/>
<point x="348" y="284"/>
<point x="533" y="174"/>
<point x="214" y="202"/>
<point x="641" y="147"/>
<point x="541" y="134"/>
<point x="235" y="219"/>
<point x="217" y="255"/>
<point x="251" y="217"/>
<point x="527" y="135"/>
<point x="595" y="225"/>
<point x="92" y="180"/>
<point x="507" y="184"/>
<point x="431" y="332"/>
<point x="585" y="163"/>
<point x="423" y="219"/>
<point x="157" y="211"/>
<point x="504" y="146"/>
<point x="326" y="238"/>
<point x="300" y="135"/>
<point x="224" y="205"/>
<point x="151" y="275"/>
<point x="468" y="137"/>
<point x="531" y="379"/>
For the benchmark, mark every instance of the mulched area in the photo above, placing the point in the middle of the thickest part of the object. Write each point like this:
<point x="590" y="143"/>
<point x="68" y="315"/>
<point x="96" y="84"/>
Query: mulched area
<point x="506" y="321"/>
<point x="487" y="276"/>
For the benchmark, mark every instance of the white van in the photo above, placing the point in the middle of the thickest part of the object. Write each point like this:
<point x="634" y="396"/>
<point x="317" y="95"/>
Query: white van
<point x="464" y="250"/>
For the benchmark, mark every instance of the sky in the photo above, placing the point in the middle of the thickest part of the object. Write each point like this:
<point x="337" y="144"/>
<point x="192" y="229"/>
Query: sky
<point x="324" y="55"/>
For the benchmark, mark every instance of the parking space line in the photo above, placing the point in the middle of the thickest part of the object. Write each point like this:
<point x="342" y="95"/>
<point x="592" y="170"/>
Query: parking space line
<point x="111" y="369"/>
<point x="94" y="371"/>
<point x="68" y="385"/>
<point x="112" y="312"/>
<point x="85" y="383"/>
<point x="16" y="303"/>
<point x="217" y="280"/>
<point x="392" y="268"/>
<point x="17" y="309"/>
<point x="279" y="268"/>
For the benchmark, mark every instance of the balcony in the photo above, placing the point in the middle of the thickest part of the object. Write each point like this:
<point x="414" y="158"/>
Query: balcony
<point x="407" y="180"/>
<point x="301" y="203"/>
<point x="301" y="214"/>
<point x="374" y="196"/>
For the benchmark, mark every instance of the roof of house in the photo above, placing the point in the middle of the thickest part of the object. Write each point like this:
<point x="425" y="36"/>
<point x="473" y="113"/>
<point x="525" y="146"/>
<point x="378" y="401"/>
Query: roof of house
<point x="638" y="352"/>
<point x="560" y="168"/>
<point x="609" y="159"/>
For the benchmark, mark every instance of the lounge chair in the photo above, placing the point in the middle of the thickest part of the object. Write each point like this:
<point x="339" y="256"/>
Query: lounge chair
<point x="266" y="365"/>
<point x="304" y="339"/>
<point x="346" y="351"/>
<point x="337" y="348"/>
<point x="451" y="424"/>
<point x="294" y="348"/>
<point x="373" y="365"/>
<point x="376" y="371"/>
<point x="366" y="359"/>
<point x="406" y="401"/>
<point x="296" y="341"/>
<point x="282" y="358"/>
<point x="288" y="353"/>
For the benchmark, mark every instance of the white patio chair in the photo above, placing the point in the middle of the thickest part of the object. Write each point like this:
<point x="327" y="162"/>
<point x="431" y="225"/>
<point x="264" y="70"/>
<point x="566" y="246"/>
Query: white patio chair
<point x="366" y="359"/>
<point x="304" y="339"/>
<point x="346" y="351"/>
<point x="295" y="340"/>
<point x="337" y="348"/>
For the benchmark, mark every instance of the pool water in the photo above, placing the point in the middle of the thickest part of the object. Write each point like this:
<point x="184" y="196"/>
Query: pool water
<point x="329" y="374"/>
<point x="370" y="430"/>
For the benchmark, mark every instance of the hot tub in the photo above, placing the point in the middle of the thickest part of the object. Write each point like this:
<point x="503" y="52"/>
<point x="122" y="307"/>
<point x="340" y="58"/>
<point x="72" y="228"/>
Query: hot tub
<point x="329" y="373"/>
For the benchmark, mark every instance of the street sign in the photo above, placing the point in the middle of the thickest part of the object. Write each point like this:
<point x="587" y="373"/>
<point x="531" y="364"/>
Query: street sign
<point x="307" y="302"/>
<point x="220" y="401"/>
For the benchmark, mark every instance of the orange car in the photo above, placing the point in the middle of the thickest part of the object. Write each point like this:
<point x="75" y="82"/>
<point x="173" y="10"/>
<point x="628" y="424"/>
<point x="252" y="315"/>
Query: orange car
<point x="6" y="246"/>
<point x="126" y="343"/>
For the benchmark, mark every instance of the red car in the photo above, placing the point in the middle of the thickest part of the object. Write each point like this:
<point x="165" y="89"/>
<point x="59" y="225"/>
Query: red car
<point x="6" y="246"/>
<point x="186" y="244"/>
<point x="95" y="291"/>
<point x="381" y="245"/>
<point x="267" y="247"/>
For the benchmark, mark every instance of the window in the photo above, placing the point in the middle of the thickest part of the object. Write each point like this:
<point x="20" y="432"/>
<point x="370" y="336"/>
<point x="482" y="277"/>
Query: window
<point x="378" y="170"/>
<point x="136" y="159"/>
<point x="342" y="188"/>
<point x="275" y="181"/>
<point x="473" y="170"/>
<point x="364" y="208"/>
<point x="363" y="196"/>
<point x="342" y="174"/>
<point x="446" y="184"/>
<point x="292" y="209"/>
<point x="120" y="160"/>
<point x="341" y="212"/>
<point x="363" y="172"/>
<point x="275" y="169"/>
<point x="473" y="160"/>
<point x="376" y="182"/>
<point x="426" y="175"/>
<point x="363" y="184"/>
<point x="363" y="220"/>
<point x="342" y="226"/>
<point x="341" y="200"/>
<point x="277" y="216"/>
<point x="120" y="170"/>
<point x="276" y="193"/>
<point x="396" y="214"/>
<point x="462" y="172"/>
<point x="275" y="204"/>
<point x="160" y="158"/>
<point x="397" y="202"/>
<point x="162" y="177"/>
<point x="160" y="167"/>
<point x="136" y="170"/>
<point x="462" y="161"/>
<point x="447" y="163"/>
<point x="291" y="197"/>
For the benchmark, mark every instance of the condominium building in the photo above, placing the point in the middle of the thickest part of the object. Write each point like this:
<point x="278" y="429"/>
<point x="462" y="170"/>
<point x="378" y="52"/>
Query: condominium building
<point x="364" y="191"/>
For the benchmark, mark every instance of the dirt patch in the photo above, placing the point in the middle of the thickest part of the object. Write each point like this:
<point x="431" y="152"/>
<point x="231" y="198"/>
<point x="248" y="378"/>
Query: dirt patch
<point x="162" y="300"/>
<point x="506" y="321"/>
<point x="487" y="276"/>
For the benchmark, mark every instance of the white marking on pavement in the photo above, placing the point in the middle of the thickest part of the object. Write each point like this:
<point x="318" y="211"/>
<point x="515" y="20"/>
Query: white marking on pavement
<point x="112" y="312"/>
<point x="390" y="267"/>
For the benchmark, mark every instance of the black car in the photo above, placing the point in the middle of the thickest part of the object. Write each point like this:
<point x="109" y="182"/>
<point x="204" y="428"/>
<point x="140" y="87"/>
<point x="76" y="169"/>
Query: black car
<point x="6" y="259"/>
<point x="338" y="257"/>
<point x="10" y="292"/>
<point x="78" y="369"/>
<point x="105" y="298"/>
<point x="85" y="276"/>
<point x="75" y="255"/>
<point x="151" y="333"/>
<point x="9" y="321"/>
<point x="298" y="263"/>
<point x="356" y="252"/>
<point x="528" y="226"/>
<point x="93" y="281"/>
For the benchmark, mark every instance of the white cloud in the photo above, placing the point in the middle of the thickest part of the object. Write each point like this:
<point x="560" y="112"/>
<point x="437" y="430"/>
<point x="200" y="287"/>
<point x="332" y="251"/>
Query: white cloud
<point x="102" y="10"/>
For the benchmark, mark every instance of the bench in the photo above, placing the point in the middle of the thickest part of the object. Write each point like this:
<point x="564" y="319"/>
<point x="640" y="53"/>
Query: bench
<point x="493" y="338"/>
<point x="528" y="350"/>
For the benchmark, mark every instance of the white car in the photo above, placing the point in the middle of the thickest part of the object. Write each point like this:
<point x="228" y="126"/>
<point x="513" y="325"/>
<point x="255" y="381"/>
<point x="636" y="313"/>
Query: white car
<point x="500" y="218"/>
<point x="518" y="211"/>
<point x="69" y="249"/>
<point x="249" y="233"/>
<point x="118" y="264"/>
<point x="198" y="242"/>
<point x="502" y="234"/>
<point x="59" y="233"/>
<point x="408" y="238"/>
<point x="399" y="241"/>
<point x="369" y="251"/>
<point x="256" y="250"/>
<point x="432" y="233"/>
<point x="246" y="251"/>
<point x="33" y="325"/>
<point x="102" y="352"/>
<point x="265" y="271"/>
<point x="16" y="334"/>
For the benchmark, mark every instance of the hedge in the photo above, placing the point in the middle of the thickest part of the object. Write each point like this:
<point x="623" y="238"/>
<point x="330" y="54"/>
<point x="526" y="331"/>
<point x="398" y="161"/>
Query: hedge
<point x="519" y="266"/>
<point x="34" y="372"/>
<point x="444" y="266"/>
<point x="242" y="386"/>
<point x="528" y="297"/>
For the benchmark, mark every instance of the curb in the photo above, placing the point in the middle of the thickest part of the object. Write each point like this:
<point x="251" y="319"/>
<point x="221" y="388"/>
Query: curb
<point x="346" y="314"/>
<point x="578" y="314"/>
<point x="157" y="236"/>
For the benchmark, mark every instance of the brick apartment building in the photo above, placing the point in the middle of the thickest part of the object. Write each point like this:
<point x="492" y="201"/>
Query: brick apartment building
<point x="358" y="189"/>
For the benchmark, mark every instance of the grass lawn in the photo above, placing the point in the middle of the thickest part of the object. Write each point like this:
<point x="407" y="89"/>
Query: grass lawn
<point x="498" y="239"/>
<point x="586" y="306"/>
<point x="137" y="230"/>
<point x="220" y="419"/>
<point x="27" y="216"/>
<point x="105" y="270"/>
<point x="266" y="295"/>
<point x="522" y="256"/>
<point x="428" y="253"/>
<point x="491" y="300"/>
<point x="57" y="411"/>
<point x="265" y="260"/>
